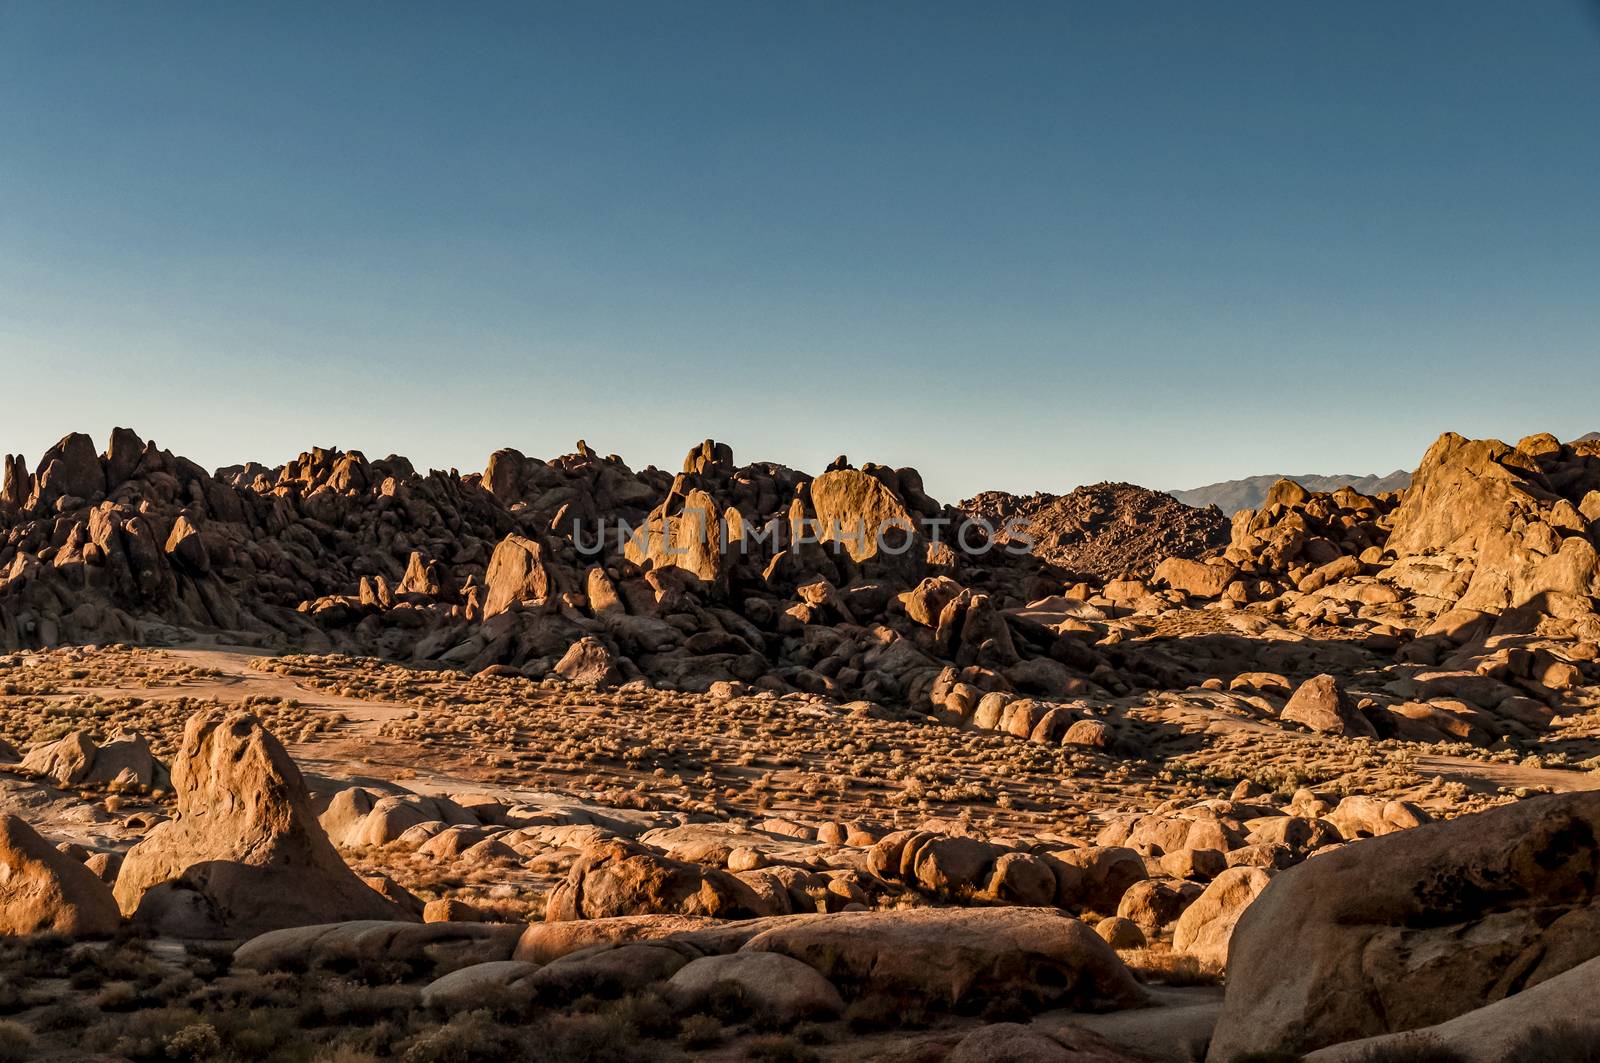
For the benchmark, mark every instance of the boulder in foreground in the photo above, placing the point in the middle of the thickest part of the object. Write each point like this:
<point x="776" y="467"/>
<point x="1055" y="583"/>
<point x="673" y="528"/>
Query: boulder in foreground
<point x="43" y="889"/>
<point x="962" y="958"/>
<point x="244" y="854"/>
<point x="1414" y="929"/>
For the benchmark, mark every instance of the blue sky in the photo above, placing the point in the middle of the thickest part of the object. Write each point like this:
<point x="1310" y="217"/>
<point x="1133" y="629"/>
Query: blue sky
<point x="1020" y="245"/>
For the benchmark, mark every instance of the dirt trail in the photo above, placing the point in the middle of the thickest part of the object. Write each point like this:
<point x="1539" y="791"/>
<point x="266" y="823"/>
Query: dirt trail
<point x="239" y="681"/>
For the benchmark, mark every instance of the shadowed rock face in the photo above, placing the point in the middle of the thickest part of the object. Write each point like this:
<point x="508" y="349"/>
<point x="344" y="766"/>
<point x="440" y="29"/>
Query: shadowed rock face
<point x="244" y="854"/>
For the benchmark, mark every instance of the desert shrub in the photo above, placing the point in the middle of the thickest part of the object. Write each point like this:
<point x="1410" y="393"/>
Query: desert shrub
<point x="505" y="1004"/>
<point x="882" y="1011"/>
<point x="254" y="1033"/>
<point x="1417" y="1048"/>
<point x="1171" y="968"/>
<point x="359" y="966"/>
<point x="172" y="988"/>
<point x="117" y="996"/>
<point x="140" y="1036"/>
<point x="208" y="959"/>
<point x="16" y="1043"/>
<point x="65" y="1015"/>
<point x="727" y="1001"/>
<point x="700" y="1031"/>
<point x="347" y="1004"/>
<point x="645" y="1011"/>
<point x="777" y="1049"/>
<point x="590" y="1039"/>
<point x="472" y="1037"/>
<point x="195" y="1043"/>
<point x="344" y="1054"/>
<point x="379" y="1039"/>
<point x="814" y="1033"/>
<point x="1568" y="1041"/>
<point x="39" y="954"/>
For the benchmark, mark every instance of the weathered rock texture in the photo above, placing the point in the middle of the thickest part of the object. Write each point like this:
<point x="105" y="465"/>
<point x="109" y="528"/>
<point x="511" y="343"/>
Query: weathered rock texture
<point x="244" y="853"/>
<point x="42" y="889"/>
<point x="1106" y="530"/>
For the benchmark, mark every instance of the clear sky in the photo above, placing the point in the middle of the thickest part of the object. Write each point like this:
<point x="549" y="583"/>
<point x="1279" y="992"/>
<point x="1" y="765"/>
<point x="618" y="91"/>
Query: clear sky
<point x="1020" y="245"/>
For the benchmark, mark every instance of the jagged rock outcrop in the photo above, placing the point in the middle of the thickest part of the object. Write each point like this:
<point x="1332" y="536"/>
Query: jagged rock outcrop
<point x="729" y="576"/>
<point x="1491" y="528"/>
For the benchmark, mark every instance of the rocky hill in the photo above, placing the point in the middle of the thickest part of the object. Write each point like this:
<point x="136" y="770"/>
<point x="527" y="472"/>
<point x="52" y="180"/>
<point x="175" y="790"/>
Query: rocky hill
<point x="1105" y="530"/>
<point x="1230" y="496"/>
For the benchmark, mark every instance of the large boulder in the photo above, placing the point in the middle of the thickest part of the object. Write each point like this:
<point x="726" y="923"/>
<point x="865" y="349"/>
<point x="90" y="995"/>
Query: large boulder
<point x="1205" y="927"/>
<point x="66" y="761"/>
<point x="244" y="853"/>
<point x="463" y="989"/>
<point x="517" y="573"/>
<point x="588" y="662"/>
<point x="1414" y="928"/>
<point x="70" y="469"/>
<point x="620" y="877"/>
<point x="543" y="942"/>
<point x="43" y="889"/>
<point x="776" y="987"/>
<point x="685" y="532"/>
<point x="961" y="958"/>
<point x="1321" y="704"/>
<point x="424" y="947"/>
<point x="1198" y="579"/>
<point x="1095" y="878"/>
<point x="859" y="512"/>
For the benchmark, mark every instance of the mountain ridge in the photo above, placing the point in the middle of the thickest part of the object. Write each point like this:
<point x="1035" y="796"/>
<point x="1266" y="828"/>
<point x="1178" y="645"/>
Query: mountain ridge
<point x="1230" y="496"/>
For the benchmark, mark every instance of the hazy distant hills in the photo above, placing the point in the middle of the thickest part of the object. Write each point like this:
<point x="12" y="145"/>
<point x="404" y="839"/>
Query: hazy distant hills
<point x="1232" y="495"/>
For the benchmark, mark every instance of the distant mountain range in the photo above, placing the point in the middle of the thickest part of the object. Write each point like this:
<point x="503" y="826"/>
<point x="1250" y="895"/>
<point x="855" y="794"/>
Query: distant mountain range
<point x="1233" y="495"/>
<point x="1230" y="496"/>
